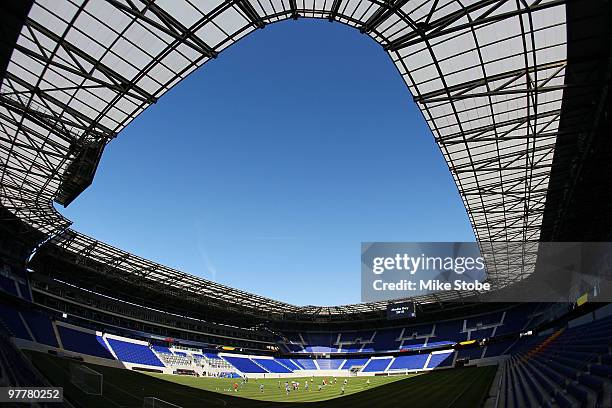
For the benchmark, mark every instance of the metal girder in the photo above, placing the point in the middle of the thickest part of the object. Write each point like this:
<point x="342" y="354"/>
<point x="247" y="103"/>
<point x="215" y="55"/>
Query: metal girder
<point x="474" y="133"/>
<point x="79" y="57"/>
<point x="461" y="89"/>
<point x="334" y="10"/>
<point x="383" y="13"/>
<point x="251" y="13"/>
<point x="165" y="23"/>
<point x="294" y="9"/>
<point x="444" y="26"/>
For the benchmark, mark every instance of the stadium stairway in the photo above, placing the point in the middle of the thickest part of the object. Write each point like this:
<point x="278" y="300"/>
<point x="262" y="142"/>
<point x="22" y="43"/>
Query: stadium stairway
<point x="569" y="368"/>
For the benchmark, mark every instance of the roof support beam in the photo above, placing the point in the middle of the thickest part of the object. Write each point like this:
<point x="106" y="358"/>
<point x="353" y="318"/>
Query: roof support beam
<point x="443" y="26"/>
<point x="382" y="14"/>
<point x="170" y="26"/>
<point x="247" y="8"/>
<point x="334" y="10"/>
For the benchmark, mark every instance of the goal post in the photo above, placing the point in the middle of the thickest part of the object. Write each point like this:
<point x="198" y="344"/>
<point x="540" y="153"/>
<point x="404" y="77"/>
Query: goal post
<point x="86" y="379"/>
<point x="152" y="402"/>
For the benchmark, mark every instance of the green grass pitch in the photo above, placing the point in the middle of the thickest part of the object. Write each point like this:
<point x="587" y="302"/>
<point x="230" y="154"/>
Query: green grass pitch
<point x="452" y="388"/>
<point x="274" y="389"/>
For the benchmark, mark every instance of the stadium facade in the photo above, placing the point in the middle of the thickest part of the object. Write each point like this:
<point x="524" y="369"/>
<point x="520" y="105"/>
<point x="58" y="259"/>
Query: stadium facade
<point x="514" y="92"/>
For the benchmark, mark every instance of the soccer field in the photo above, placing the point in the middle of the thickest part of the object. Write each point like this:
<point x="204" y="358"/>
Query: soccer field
<point x="452" y="388"/>
<point x="274" y="389"/>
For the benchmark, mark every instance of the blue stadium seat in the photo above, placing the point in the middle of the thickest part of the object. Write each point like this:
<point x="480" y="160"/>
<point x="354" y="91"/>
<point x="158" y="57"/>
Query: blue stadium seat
<point x="244" y="364"/>
<point x="449" y="332"/>
<point x="386" y="340"/>
<point x="306" y="363"/>
<point x="41" y="327"/>
<point x="161" y="349"/>
<point x="483" y="320"/>
<point x="330" y="364"/>
<point x="12" y="323"/>
<point x="377" y="364"/>
<point x="83" y="342"/>
<point x="288" y="363"/>
<point x="352" y="337"/>
<point x="441" y="360"/>
<point x="134" y="353"/>
<point x="271" y="365"/>
<point x="412" y="362"/>
<point x="354" y="362"/>
<point x="471" y="353"/>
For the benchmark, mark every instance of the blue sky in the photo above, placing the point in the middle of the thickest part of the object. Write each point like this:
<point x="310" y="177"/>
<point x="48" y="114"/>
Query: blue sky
<point x="266" y="169"/>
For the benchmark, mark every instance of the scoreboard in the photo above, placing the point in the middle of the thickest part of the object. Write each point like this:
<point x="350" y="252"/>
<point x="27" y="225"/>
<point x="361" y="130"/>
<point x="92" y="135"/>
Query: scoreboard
<point x="403" y="310"/>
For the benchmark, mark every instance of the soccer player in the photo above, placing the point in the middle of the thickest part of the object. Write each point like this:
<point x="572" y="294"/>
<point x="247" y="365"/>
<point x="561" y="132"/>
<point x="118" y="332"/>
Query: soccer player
<point x="306" y="385"/>
<point x="368" y="382"/>
<point x="342" y="390"/>
<point x="261" y="387"/>
<point x="235" y="387"/>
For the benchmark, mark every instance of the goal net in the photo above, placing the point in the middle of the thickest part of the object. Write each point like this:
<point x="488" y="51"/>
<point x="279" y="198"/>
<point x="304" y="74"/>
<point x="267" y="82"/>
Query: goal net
<point x="152" y="402"/>
<point x="87" y="380"/>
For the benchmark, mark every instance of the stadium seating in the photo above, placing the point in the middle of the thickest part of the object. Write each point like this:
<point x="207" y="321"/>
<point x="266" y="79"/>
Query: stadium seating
<point x="410" y="344"/>
<point x="449" y="332"/>
<point x="330" y="364"/>
<point x="175" y="361"/>
<point x="305" y="363"/>
<point x="352" y="348"/>
<point x="271" y="365"/>
<point x="12" y="323"/>
<point x="484" y="320"/>
<point x="161" y="349"/>
<point x="431" y="343"/>
<point x="439" y="360"/>
<point x="83" y="342"/>
<point x="386" y="340"/>
<point x="134" y="353"/>
<point x="288" y="363"/>
<point x="470" y="353"/>
<point x="244" y="365"/>
<point x="412" y="362"/>
<point x="482" y="333"/>
<point x="41" y="327"/>
<point x="377" y="364"/>
<point x="354" y="362"/>
<point x="568" y="368"/>
<point x="352" y="337"/>
<point x="419" y="331"/>
<point x="413" y="337"/>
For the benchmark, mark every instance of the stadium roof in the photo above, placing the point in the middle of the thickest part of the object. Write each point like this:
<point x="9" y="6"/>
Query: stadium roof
<point x="488" y="76"/>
